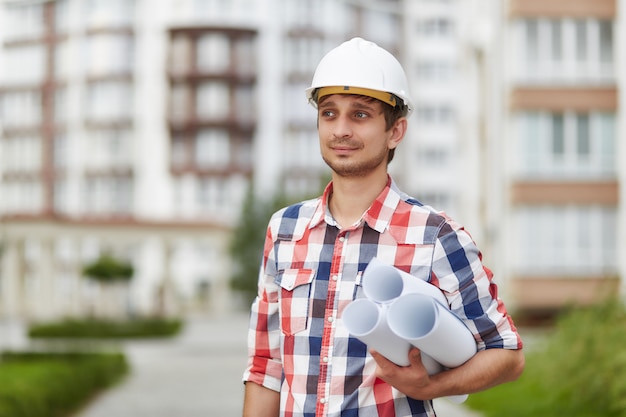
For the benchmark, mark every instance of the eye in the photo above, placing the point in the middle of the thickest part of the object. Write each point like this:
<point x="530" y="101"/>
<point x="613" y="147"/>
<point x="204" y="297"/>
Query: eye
<point x="327" y="113"/>
<point x="361" y="115"/>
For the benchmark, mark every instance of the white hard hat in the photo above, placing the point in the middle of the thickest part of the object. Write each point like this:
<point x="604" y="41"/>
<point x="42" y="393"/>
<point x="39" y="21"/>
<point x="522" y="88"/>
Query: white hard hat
<point x="361" y="67"/>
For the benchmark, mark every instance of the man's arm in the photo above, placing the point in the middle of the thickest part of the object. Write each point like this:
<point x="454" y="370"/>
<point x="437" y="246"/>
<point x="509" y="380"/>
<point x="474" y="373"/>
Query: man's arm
<point x="259" y="401"/>
<point x="484" y="370"/>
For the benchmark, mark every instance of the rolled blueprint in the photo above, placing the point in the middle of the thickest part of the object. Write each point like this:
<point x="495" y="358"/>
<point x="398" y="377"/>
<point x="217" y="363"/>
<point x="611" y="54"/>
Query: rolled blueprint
<point x="416" y="312"/>
<point x="367" y="321"/>
<point x="384" y="283"/>
<point x="432" y="328"/>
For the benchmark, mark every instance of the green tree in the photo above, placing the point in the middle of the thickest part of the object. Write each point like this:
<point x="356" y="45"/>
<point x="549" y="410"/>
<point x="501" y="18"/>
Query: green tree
<point x="107" y="269"/>
<point x="246" y="248"/>
<point x="112" y="276"/>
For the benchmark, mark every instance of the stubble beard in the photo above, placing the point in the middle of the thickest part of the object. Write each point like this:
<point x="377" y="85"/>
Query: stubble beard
<point x="344" y="167"/>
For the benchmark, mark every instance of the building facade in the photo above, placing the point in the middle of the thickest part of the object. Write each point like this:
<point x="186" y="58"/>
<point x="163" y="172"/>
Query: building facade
<point x="556" y="152"/>
<point x="135" y="127"/>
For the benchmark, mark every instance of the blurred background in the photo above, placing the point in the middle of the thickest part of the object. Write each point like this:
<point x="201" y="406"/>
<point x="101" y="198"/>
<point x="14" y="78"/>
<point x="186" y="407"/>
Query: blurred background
<point x="135" y="129"/>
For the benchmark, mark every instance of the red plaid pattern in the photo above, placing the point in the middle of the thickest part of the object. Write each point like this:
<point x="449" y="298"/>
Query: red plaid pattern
<point x="311" y="270"/>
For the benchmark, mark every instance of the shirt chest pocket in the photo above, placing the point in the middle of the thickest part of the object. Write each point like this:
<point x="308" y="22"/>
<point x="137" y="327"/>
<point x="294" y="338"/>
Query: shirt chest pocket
<point x="294" y="300"/>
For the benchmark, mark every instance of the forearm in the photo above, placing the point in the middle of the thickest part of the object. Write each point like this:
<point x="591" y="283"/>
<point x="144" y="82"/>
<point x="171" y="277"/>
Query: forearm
<point x="260" y="401"/>
<point x="484" y="370"/>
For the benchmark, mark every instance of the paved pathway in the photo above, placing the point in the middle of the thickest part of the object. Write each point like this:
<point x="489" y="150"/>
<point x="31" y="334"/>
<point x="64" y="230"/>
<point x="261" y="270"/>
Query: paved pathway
<point x="197" y="374"/>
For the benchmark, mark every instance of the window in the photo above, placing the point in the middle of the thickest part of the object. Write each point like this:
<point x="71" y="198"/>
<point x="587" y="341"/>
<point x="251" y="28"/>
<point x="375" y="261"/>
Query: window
<point x="245" y="56"/>
<point x="109" y="53"/>
<point x="303" y="54"/>
<point x="109" y="148"/>
<point x="564" y="50"/>
<point x="435" y="114"/>
<point x="24" y="64"/>
<point x="61" y="203"/>
<point x="60" y="151"/>
<point x="245" y="105"/>
<point x="299" y="112"/>
<point x="213" y="100"/>
<point x="21" y="153"/>
<point x="212" y="194"/>
<point x="180" y="95"/>
<point x="439" y="200"/>
<point x="111" y="13"/>
<point x="558" y="135"/>
<point x="178" y="156"/>
<point x="61" y="16"/>
<point x="435" y="71"/>
<point x="381" y="26"/>
<point x="24" y="21"/>
<point x="432" y="157"/>
<point x="580" y="28"/>
<point x="579" y="240"/>
<point x="109" y="100"/>
<point x="606" y="42"/>
<point x="567" y="145"/>
<point x="302" y="150"/>
<point x="212" y="149"/>
<point x="180" y="54"/>
<point x="303" y="13"/>
<point x="108" y="195"/>
<point x="435" y="27"/>
<point x="213" y="53"/>
<point x="60" y="105"/>
<point x="20" y="108"/>
<point x="21" y="196"/>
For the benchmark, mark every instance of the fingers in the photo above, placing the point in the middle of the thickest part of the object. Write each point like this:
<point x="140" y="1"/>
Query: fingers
<point x="415" y="357"/>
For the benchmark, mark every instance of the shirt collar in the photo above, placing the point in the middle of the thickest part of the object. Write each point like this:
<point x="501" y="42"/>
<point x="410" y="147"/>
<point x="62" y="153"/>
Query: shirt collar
<point x="378" y="216"/>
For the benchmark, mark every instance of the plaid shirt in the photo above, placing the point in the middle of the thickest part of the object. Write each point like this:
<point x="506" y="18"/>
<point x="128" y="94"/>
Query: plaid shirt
<point x="312" y="269"/>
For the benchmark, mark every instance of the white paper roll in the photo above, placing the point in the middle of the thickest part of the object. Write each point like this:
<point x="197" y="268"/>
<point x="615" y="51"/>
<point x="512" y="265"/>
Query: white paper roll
<point x="384" y="283"/>
<point x="432" y="328"/>
<point x="366" y="320"/>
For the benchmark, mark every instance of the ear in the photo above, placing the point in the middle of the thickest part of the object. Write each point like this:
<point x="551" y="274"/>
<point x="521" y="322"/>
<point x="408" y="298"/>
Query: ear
<point x="397" y="132"/>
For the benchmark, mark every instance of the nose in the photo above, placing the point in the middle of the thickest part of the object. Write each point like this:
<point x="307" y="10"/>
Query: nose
<point x="342" y="127"/>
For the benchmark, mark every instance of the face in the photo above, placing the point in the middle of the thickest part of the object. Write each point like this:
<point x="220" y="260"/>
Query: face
<point x="353" y="139"/>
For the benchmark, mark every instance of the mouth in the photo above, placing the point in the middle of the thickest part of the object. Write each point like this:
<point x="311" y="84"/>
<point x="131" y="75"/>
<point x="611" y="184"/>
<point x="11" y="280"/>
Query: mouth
<point x="343" y="147"/>
<point x="343" y="150"/>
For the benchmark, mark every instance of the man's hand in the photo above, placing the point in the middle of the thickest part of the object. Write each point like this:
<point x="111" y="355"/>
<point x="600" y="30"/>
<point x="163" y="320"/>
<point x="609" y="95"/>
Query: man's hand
<point x="412" y="380"/>
<point x="484" y="370"/>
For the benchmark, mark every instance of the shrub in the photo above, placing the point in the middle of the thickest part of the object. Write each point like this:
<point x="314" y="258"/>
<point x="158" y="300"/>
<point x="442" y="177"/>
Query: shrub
<point x="107" y="329"/>
<point x="54" y="384"/>
<point x="580" y="372"/>
<point x="109" y="269"/>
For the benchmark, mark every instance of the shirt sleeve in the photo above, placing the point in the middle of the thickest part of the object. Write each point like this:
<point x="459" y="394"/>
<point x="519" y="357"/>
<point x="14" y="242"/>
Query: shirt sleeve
<point x="470" y="290"/>
<point x="264" y="361"/>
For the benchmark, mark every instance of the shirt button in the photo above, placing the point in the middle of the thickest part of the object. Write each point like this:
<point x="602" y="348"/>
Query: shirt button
<point x="323" y="400"/>
<point x="342" y="238"/>
<point x="325" y="359"/>
<point x="335" y="277"/>
<point x="330" y="319"/>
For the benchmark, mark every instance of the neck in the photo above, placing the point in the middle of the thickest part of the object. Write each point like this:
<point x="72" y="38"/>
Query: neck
<point x="351" y="197"/>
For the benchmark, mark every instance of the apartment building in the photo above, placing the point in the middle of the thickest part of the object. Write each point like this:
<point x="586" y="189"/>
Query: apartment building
<point x="138" y="133"/>
<point x="136" y="126"/>
<point x="554" y="151"/>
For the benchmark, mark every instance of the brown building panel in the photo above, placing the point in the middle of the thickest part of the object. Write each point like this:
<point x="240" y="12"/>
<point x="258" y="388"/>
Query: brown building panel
<point x="556" y="99"/>
<point x="551" y="293"/>
<point x="545" y="192"/>
<point x="603" y="9"/>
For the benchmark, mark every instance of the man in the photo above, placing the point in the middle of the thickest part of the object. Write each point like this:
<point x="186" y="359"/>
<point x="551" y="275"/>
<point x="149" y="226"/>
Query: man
<point x="302" y="360"/>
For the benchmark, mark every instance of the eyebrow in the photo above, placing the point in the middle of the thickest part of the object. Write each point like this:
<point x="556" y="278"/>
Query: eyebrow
<point x="357" y="104"/>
